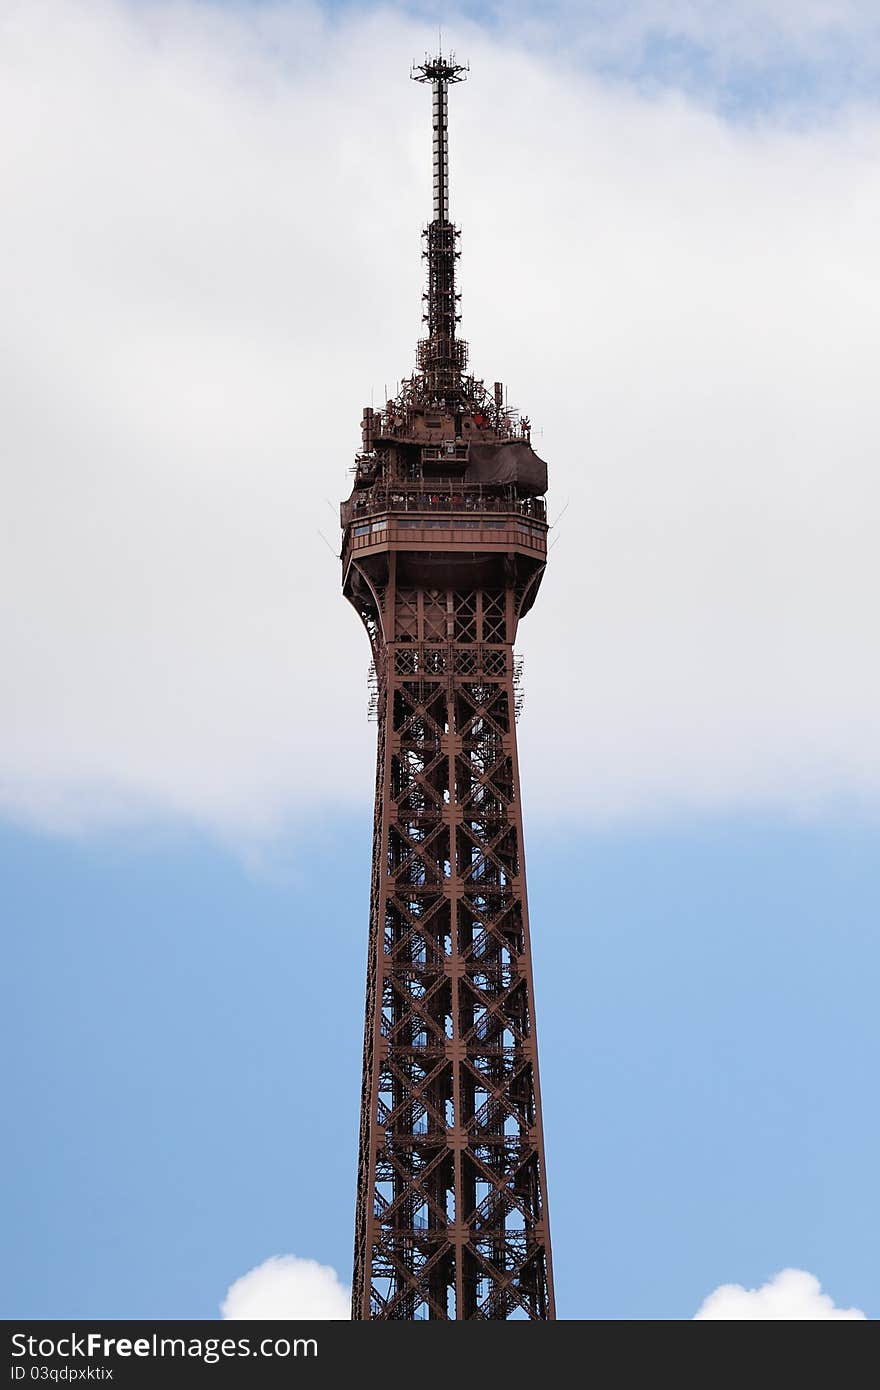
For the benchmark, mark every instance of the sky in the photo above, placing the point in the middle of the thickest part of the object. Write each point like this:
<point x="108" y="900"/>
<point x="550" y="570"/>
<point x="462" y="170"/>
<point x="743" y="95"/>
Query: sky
<point x="211" y="219"/>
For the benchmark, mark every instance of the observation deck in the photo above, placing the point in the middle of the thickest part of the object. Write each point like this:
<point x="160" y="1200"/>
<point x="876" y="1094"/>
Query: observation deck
<point x="443" y="531"/>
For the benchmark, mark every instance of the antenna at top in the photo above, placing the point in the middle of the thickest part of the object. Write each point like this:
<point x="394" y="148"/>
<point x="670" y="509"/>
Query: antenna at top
<point x="440" y="69"/>
<point x="440" y="72"/>
<point x="442" y="357"/>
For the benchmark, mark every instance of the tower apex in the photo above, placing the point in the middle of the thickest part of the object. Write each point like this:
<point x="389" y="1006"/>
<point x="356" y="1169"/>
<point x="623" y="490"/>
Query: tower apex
<point x="440" y="69"/>
<point x="441" y="357"/>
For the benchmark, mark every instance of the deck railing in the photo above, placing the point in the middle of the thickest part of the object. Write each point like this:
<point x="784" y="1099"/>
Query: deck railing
<point x="440" y="497"/>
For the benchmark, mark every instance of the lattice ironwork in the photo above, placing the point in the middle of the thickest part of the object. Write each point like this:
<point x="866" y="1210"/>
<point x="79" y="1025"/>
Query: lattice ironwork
<point x="452" y="1218"/>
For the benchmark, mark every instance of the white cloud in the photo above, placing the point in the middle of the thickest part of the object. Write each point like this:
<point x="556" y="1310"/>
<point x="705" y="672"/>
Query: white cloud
<point x="211" y="252"/>
<point x="792" y="1296"/>
<point x="286" y="1287"/>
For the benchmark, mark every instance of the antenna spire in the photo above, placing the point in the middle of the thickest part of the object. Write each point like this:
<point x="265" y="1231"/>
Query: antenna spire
<point x="440" y="72"/>
<point x="441" y="358"/>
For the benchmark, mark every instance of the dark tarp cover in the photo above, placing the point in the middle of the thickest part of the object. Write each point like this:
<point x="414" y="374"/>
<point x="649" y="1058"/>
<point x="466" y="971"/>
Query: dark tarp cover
<point x="507" y="463"/>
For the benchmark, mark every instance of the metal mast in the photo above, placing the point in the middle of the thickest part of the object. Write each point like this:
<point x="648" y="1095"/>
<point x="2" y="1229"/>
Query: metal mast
<point x="441" y="358"/>
<point x="444" y="545"/>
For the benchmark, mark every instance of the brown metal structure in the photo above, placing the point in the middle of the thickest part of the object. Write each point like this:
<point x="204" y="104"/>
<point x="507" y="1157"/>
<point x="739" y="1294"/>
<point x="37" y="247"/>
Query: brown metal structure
<point x="444" y="546"/>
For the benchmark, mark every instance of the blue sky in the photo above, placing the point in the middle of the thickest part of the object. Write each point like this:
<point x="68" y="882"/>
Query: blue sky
<point x="184" y="845"/>
<point x="186" y="1101"/>
<point x="748" y="59"/>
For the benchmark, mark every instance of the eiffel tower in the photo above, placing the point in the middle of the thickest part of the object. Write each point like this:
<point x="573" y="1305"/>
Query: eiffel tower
<point x="444" y="547"/>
